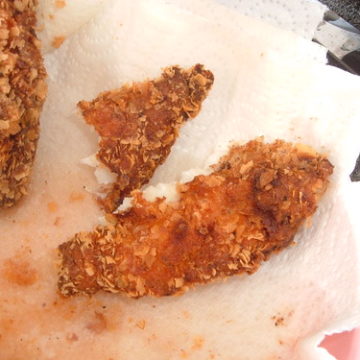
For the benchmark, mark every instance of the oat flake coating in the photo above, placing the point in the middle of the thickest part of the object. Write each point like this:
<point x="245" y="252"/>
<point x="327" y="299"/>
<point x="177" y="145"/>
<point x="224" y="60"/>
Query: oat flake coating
<point x="139" y="123"/>
<point x="23" y="91"/>
<point x="225" y="223"/>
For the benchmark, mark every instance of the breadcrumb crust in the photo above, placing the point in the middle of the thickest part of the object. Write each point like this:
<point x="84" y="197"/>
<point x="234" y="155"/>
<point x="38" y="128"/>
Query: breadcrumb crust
<point x="225" y="223"/>
<point x="139" y="123"/>
<point x="23" y="91"/>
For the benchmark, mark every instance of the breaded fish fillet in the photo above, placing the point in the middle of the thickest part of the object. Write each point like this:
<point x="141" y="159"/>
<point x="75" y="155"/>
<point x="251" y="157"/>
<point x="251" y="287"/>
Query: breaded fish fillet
<point x="23" y="91"/>
<point x="224" y="223"/>
<point x="139" y="123"/>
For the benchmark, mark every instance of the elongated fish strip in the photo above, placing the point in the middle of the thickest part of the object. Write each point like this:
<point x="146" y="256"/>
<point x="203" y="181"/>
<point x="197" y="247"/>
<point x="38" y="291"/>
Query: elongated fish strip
<point x="139" y="123"/>
<point x="223" y="224"/>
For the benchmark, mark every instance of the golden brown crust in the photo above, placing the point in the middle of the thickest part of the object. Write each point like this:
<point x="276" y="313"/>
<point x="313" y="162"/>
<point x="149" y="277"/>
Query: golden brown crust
<point x="139" y="123"/>
<point x="23" y="91"/>
<point x="225" y="223"/>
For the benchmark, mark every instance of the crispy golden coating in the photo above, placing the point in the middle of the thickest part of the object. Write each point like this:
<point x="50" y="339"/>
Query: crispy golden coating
<point x="23" y="91"/>
<point x="139" y="123"/>
<point x="226" y="223"/>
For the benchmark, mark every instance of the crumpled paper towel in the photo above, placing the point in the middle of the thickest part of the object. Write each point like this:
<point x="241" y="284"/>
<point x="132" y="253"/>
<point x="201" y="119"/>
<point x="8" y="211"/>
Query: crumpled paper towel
<point x="58" y="19"/>
<point x="267" y="82"/>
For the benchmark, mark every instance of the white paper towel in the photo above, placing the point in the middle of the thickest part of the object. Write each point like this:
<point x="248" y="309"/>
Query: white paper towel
<point x="60" y="19"/>
<point x="300" y="16"/>
<point x="267" y="82"/>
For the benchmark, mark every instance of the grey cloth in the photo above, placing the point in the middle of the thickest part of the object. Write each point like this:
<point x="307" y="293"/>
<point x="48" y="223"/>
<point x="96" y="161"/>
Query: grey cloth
<point x="347" y="9"/>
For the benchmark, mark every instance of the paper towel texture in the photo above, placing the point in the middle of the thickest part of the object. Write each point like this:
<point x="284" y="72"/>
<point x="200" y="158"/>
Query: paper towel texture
<point x="58" y="19"/>
<point x="301" y="16"/>
<point x="267" y="82"/>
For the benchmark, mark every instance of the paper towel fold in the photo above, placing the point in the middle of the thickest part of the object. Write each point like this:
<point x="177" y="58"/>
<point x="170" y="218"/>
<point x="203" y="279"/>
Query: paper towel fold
<point x="267" y="82"/>
<point x="58" y="19"/>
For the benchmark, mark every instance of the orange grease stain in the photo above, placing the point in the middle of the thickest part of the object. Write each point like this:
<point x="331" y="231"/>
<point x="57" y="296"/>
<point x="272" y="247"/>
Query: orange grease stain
<point x="98" y="324"/>
<point x="60" y="4"/>
<point x="198" y="343"/>
<point x="67" y="309"/>
<point x="19" y="272"/>
<point x="6" y="324"/>
<point x="52" y="206"/>
<point x="186" y="315"/>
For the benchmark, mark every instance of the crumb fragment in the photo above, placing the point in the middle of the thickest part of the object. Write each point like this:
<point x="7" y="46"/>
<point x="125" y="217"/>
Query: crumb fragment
<point x="223" y="224"/>
<point x="23" y="91"/>
<point x="278" y="320"/>
<point x="141" y="324"/>
<point x="57" y="41"/>
<point x="139" y="123"/>
<point x="76" y="197"/>
<point x="282" y="319"/>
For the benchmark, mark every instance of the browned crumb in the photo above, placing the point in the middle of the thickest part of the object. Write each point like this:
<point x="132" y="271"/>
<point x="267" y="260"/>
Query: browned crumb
<point x="139" y="123"/>
<point x="281" y="320"/>
<point x="226" y="223"/>
<point x="141" y="324"/>
<point x="57" y="41"/>
<point x="23" y="91"/>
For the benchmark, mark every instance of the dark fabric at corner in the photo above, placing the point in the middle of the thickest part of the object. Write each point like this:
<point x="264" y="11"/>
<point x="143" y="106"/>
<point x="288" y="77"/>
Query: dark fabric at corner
<point x="347" y="9"/>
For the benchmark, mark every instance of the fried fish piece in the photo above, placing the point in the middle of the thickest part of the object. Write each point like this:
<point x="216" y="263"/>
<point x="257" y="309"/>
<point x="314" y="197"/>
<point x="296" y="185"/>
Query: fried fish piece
<point x="23" y="91"/>
<point x="139" y="123"/>
<point x="224" y="223"/>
